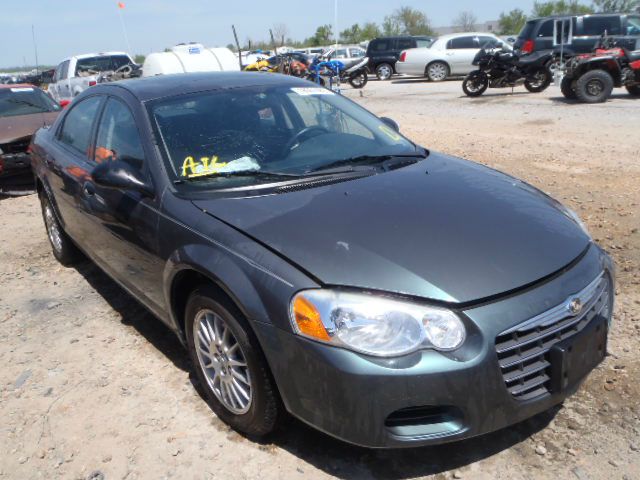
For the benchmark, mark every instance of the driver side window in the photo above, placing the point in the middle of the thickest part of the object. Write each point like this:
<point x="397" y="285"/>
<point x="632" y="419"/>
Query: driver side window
<point x="118" y="137"/>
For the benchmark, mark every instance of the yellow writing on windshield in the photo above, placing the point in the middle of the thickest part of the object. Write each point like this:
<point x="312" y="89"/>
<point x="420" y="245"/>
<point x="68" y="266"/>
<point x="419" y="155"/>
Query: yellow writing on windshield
<point x="192" y="168"/>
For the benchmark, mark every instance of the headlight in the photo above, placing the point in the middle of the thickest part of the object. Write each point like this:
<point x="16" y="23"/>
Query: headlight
<point x="372" y="324"/>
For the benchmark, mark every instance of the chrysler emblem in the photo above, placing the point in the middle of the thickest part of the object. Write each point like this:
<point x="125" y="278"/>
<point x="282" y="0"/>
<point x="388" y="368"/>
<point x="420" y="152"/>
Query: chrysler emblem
<point x="575" y="306"/>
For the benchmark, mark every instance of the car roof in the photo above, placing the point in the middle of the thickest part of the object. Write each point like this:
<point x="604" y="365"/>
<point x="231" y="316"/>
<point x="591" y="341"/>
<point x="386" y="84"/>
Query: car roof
<point x="396" y="37"/>
<point x="92" y="55"/>
<point x="449" y="36"/>
<point x="551" y="17"/>
<point x="160" y="86"/>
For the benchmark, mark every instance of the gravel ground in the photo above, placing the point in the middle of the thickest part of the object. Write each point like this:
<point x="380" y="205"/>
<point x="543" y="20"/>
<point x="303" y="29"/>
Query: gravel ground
<point x="92" y="385"/>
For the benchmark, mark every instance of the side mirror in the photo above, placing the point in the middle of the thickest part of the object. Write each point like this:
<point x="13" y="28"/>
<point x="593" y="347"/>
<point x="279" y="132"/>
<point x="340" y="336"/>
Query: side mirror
<point x="120" y="175"/>
<point x="391" y="123"/>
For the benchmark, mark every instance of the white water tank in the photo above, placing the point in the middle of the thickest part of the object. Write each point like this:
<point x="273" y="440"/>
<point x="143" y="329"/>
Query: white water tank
<point x="192" y="57"/>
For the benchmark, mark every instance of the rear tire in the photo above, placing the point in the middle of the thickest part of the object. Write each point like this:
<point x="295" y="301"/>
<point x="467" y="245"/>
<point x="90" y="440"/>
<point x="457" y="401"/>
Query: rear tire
<point x="594" y="86"/>
<point x="567" y="88"/>
<point x="437" y="71"/>
<point x="384" y="71"/>
<point x="62" y="246"/>
<point x="542" y="82"/>
<point x="359" y="80"/>
<point x="244" y="395"/>
<point x="634" y="90"/>
<point x="475" y="84"/>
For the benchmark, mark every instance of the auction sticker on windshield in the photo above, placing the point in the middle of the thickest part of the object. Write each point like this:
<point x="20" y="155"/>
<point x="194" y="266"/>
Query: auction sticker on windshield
<point x="307" y="91"/>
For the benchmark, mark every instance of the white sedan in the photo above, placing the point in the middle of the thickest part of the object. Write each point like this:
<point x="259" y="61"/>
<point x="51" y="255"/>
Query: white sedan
<point x="449" y="55"/>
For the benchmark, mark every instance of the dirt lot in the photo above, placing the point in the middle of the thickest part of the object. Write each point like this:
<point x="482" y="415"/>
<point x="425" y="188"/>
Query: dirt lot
<point x="92" y="384"/>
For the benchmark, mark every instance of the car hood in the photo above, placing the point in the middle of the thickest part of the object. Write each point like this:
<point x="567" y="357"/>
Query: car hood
<point x="444" y="229"/>
<point x="21" y="126"/>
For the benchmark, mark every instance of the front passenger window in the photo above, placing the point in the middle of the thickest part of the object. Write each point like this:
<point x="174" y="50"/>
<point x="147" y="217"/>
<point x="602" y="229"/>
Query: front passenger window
<point x="118" y="137"/>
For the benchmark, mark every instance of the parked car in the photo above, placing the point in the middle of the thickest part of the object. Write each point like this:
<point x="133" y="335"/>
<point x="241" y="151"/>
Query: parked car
<point x="75" y="74"/>
<point x="384" y="52"/>
<point x="238" y="208"/>
<point x="449" y="55"/>
<point x="581" y="32"/>
<point x="23" y="110"/>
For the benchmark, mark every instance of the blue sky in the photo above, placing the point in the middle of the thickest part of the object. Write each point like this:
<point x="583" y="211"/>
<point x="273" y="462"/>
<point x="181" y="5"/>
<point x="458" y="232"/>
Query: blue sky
<point x="67" y="27"/>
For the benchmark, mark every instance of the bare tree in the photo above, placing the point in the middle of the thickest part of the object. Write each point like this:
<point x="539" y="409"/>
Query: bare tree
<point x="465" y="21"/>
<point x="280" y="32"/>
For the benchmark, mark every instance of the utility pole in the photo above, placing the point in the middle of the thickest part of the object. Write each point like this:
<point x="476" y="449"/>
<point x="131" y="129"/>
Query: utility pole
<point x="335" y="22"/>
<point x="35" y="47"/>
<point x="235" y="35"/>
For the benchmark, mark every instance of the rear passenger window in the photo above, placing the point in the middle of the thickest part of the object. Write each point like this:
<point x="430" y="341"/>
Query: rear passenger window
<point x="406" y="43"/>
<point x="546" y="29"/>
<point x="380" y="46"/>
<point x="118" y="137"/>
<point x="598" y="25"/>
<point x="77" y="127"/>
<point x="464" y="42"/>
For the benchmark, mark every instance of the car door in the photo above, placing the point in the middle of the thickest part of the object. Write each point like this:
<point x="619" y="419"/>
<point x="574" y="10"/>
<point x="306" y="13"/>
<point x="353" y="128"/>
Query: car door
<point x="68" y="162"/>
<point x="460" y="53"/>
<point x="64" y="86"/>
<point x="125" y="222"/>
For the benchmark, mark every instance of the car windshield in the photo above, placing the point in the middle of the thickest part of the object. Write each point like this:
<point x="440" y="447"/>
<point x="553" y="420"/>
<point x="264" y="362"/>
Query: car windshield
<point x="25" y="101"/>
<point x="239" y="135"/>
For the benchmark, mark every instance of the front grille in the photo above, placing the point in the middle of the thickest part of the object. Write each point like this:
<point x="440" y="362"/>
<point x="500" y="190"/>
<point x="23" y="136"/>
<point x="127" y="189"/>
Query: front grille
<point x="523" y="351"/>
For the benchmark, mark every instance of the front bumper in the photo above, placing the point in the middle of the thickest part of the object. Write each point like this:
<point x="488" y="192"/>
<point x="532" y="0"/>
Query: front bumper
<point x="426" y="397"/>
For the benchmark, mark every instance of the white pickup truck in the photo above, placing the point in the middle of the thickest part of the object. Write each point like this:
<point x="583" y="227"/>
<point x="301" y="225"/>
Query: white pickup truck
<point x="75" y="74"/>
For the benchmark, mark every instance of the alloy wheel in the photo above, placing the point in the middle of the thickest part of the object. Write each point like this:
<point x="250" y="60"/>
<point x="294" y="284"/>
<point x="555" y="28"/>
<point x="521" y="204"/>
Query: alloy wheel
<point x="437" y="72"/>
<point x="223" y="362"/>
<point x="53" y="230"/>
<point x="595" y="87"/>
<point x="384" y="72"/>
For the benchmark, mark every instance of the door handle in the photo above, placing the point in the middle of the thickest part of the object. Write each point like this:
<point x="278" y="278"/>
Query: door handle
<point x="89" y="189"/>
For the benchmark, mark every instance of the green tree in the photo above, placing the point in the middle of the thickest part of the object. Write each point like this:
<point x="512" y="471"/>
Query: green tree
<point x="139" y="59"/>
<point x="407" y="20"/>
<point x="512" y="22"/>
<point x="323" y="36"/>
<point x="609" y="6"/>
<point x="369" y="31"/>
<point x="353" y="34"/>
<point x="560" y="7"/>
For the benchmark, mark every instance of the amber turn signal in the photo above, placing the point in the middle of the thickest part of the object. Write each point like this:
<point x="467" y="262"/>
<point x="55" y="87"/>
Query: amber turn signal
<point x="308" y="319"/>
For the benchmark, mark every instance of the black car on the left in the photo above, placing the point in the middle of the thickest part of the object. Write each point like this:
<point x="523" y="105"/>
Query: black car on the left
<point x="23" y="110"/>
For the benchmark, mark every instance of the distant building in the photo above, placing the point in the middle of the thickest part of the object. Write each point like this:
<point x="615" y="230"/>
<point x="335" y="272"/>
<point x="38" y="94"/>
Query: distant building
<point x="490" y="26"/>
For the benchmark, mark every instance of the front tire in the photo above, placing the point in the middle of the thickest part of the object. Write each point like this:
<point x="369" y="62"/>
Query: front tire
<point x="384" y="71"/>
<point x="634" y="90"/>
<point x="540" y="82"/>
<point x="567" y="88"/>
<point x="229" y="364"/>
<point x="62" y="246"/>
<point x="359" y="80"/>
<point x="594" y="86"/>
<point x="437" y="71"/>
<point x="475" y="84"/>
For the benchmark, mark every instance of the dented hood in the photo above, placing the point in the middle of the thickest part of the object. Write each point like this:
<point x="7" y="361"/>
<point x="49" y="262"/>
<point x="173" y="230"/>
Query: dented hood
<point x="21" y="126"/>
<point x="444" y="229"/>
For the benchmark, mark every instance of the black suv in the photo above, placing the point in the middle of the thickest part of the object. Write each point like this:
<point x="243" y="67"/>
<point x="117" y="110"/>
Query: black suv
<point x="384" y="52"/>
<point x="580" y="32"/>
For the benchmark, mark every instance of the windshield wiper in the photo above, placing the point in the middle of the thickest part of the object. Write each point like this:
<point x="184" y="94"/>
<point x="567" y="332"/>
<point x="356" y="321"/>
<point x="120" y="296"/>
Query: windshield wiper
<point x="366" y="160"/>
<point x="241" y="173"/>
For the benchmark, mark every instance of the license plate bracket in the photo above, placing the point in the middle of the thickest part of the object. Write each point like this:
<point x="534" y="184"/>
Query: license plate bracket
<point x="572" y="359"/>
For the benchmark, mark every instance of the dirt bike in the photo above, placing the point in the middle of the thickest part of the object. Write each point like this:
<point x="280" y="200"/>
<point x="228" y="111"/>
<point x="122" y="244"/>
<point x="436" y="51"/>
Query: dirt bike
<point x="590" y="78"/>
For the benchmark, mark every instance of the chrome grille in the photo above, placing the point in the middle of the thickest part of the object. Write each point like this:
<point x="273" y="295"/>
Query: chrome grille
<point x="523" y="351"/>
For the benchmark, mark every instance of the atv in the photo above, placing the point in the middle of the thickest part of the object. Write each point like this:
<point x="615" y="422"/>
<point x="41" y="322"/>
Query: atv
<point x="591" y="77"/>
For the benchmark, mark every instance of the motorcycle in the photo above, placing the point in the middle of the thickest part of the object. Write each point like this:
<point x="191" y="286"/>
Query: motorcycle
<point x="323" y="67"/>
<point x="590" y="78"/>
<point x="499" y="68"/>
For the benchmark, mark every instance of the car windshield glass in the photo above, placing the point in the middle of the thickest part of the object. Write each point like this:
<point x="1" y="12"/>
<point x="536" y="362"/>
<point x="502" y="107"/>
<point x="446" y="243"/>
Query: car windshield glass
<point x="213" y="137"/>
<point x="633" y="25"/>
<point x="25" y="101"/>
